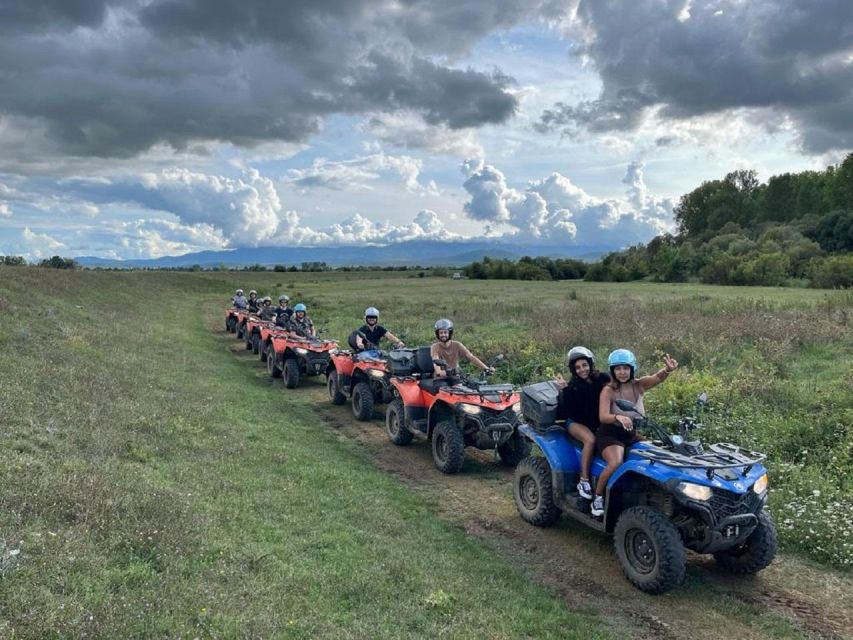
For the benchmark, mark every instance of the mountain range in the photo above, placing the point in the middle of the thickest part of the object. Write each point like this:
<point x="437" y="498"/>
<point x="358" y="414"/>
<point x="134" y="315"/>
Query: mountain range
<point x="415" y="252"/>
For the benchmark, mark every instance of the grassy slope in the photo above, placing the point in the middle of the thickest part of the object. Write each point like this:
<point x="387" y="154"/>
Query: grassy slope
<point x="153" y="486"/>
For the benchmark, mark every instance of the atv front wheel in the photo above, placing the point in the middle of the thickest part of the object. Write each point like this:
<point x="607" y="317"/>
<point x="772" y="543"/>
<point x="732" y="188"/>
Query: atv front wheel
<point x="335" y="394"/>
<point x="448" y="447"/>
<point x="756" y="552"/>
<point x="240" y="331"/>
<point x="262" y="353"/>
<point x="291" y="373"/>
<point x="514" y="450"/>
<point x="248" y="338"/>
<point x="232" y="324"/>
<point x="650" y="550"/>
<point x="256" y="343"/>
<point x="534" y="493"/>
<point x="362" y="401"/>
<point x="395" y="416"/>
<point x="272" y="364"/>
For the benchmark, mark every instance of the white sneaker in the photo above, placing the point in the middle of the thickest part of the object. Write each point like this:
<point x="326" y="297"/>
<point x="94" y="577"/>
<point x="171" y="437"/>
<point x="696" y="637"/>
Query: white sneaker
<point x="597" y="508"/>
<point x="585" y="489"/>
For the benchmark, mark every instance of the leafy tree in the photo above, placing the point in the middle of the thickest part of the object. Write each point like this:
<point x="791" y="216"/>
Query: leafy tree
<point x="58" y="262"/>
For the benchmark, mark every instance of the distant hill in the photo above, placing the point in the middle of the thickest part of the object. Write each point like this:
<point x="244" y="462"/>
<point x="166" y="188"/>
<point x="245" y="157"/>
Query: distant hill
<point x="418" y="252"/>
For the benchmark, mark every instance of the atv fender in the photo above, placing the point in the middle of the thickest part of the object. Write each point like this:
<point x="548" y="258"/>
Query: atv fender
<point x="556" y="447"/>
<point x="438" y="412"/>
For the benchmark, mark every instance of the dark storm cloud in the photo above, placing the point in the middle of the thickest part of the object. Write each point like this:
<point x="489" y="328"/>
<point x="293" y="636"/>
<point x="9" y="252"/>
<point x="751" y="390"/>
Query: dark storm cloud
<point x="789" y="57"/>
<point x="50" y="14"/>
<point x="112" y="79"/>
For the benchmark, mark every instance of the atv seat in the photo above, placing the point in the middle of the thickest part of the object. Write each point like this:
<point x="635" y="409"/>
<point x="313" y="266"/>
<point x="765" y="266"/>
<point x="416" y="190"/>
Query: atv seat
<point x="432" y="385"/>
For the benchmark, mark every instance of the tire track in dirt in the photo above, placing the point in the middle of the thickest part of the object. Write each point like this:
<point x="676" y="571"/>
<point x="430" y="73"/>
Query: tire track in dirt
<point x="580" y="564"/>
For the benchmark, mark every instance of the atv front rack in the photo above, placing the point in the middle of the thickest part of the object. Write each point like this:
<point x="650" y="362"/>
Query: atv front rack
<point x="723" y="456"/>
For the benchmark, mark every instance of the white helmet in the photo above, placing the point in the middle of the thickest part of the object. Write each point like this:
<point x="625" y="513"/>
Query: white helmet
<point x="284" y="298"/>
<point x="239" y="292"/>
<point x="371" y="311"/>
<point x="253" y="291"/>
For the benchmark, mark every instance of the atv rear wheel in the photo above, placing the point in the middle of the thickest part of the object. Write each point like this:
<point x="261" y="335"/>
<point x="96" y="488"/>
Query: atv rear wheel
<point x="650" y="550"/>
<point x="534" y="493"/>
<point x="395" y="416"/>
<point x="514" y="450"/>
<point x="272" y="364"/>
<point x="291" y="373"/>
<point x="448" y="447"/>
<point x="335" y="395"/>
<point x="256" y="343"/>
<point x="756" y="552"/>
<point x="362" y="401"/>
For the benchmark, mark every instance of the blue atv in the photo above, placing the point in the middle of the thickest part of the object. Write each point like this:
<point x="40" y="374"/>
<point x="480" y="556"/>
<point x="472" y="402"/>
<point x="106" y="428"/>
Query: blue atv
<point x="670" y="493"/>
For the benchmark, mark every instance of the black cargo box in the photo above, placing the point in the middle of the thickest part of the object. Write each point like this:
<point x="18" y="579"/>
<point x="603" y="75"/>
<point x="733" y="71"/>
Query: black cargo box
<point x="539" y="403"/>
<point x="401" y="362"/>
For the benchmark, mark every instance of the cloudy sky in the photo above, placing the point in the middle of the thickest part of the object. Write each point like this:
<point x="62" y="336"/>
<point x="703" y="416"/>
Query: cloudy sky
<point x="142" y="128"/>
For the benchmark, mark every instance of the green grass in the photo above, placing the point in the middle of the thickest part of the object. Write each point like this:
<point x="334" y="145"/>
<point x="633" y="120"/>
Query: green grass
<point x="154" y="485"/>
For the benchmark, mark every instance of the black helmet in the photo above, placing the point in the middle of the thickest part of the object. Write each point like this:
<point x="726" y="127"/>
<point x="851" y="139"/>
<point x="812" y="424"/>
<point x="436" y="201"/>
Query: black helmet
<point x="444" y="323"/>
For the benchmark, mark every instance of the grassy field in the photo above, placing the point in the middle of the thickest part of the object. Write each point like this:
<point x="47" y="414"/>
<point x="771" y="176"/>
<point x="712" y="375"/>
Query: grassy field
<point x="156" y="486"/>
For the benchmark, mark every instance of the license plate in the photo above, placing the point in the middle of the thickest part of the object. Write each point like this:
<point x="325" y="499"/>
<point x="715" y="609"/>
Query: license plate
<point x="731" y="531"/>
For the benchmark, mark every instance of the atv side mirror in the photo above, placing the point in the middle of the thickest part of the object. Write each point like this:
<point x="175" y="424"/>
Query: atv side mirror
<point x="702" y="400"/>
<point x="442" y="364"/>
<point x="627" y="405"/>
<point x="498" y="358"/>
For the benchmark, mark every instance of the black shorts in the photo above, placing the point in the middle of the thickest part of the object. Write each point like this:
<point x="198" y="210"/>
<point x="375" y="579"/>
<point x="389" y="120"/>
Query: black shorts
<point x="610" y="434"/>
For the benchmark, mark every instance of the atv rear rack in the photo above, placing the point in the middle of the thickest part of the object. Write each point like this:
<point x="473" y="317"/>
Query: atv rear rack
<point x="723" y="456"/>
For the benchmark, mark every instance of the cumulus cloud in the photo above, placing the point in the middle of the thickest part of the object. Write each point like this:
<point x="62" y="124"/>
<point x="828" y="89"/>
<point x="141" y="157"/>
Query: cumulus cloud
<point x="781" y="58"/>
<point x="357" y="173"/>
<point x="555" y="210"/>
<point x="38" y="245"/>
<point x="5" y="211"/>
<point x="111" y="78"/>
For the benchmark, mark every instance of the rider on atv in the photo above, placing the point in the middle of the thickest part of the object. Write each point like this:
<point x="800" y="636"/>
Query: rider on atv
<point x="300" y="323"/>
<point x="266" y="311"/>
<point x="450" y="351"/>
<point x="253" y="302"/>
<point x="239" y="300"/>
<point x="365" y="340"/>
<point x="282" y="311"/>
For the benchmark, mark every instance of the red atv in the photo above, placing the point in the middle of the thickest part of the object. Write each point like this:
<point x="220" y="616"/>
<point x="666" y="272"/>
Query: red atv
<point x="456" y="413"/>
<point x="361" y="377"/>
<point x="291" y="357"/>
<point x="231" y="319"/>
<point x="252" y="332"/>
<point x="266" y="331"/>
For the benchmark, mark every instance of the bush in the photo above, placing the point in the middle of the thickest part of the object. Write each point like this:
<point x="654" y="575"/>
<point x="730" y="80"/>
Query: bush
<point x="835" y="272"/>
<point x="57" y="262"/>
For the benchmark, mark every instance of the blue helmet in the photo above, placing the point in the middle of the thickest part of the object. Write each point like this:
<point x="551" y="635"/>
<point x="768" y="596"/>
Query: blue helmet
<point x="300" y="307"/>
<point x="622" y="356"/>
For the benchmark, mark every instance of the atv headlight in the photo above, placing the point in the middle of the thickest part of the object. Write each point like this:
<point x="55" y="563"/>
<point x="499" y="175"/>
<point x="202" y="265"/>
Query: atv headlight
<point x="517" y="407"/>
<point x="695" y="491"/>
<point x="376" y="373"/>
<point x="760" y="485"/>
<point x="471" y="409"/>
<point x="301" y="351"/>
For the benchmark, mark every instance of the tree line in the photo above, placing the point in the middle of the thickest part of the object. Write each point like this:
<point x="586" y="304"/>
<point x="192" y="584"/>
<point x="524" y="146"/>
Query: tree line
<point x="797" y="228"/>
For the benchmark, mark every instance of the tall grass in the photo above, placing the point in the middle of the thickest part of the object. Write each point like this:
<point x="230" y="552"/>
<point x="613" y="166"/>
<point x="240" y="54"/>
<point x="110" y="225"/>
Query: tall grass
<point x="153" y="487"/>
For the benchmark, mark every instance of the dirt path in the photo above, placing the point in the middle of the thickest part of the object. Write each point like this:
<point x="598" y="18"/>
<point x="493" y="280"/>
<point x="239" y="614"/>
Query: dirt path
<point x="788" y="599"/>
